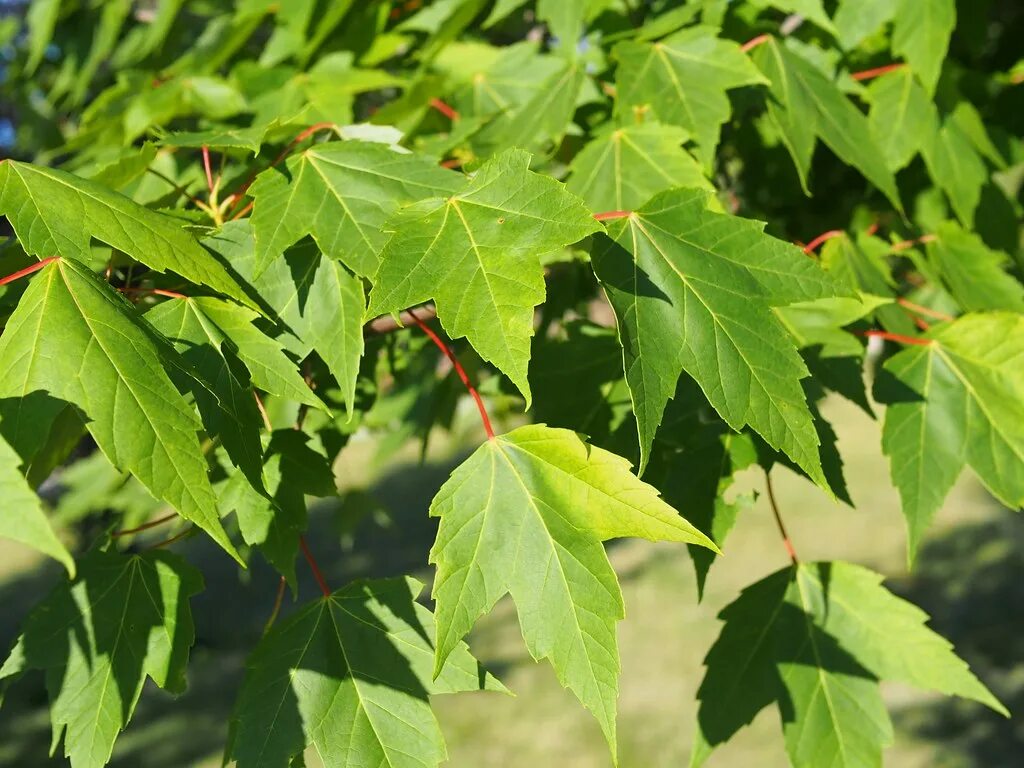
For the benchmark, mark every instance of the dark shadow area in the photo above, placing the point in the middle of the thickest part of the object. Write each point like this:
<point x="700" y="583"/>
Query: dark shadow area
<point x="229" y="616"/>
<point x="971" y="582"/>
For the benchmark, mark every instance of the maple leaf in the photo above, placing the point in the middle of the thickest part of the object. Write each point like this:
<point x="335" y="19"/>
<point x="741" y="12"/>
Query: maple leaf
<point x="349" y="675"/>
<point x="477" y="255"/>
<point x="274" y="520"/>
<point x="921" y="33"/>
<point x="526" y="515"/>
<point x="692" y="291"/>
<point x="74" y="337"/>
<point x="21" y="515"/>
<point x="902" y="117"/>
<point x="55" y="212"/>
<point x="816" y="639"/>
<point x="270" y="368"/>
<point x="124" y="618"/>
<point x="684" y="79"/>
<point x="955" y="166"/>
<point x="956" y="401"/>
<point x="806" y="106"/>
<point x="341" y="193"/>
<point x="973" y="273"/>
<point x="225" y="398"/>
<point x="315" y="298"/>
<point x="623" y="168"/>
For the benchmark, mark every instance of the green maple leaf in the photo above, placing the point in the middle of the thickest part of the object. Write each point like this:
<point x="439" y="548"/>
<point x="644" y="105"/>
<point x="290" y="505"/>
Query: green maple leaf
<point x="477" y="255"/>
<point x="902" y="116"/>
<point x="124" y="618"/>
<point x="920" y="33"/>
<point x="856" y="20"/>
<point x="526" y="515"/>
<point x="56" y="213"/>
<point x="973" y="273"/>
<point x="692" y="291"/>
<point x="956" y="401"/>
<point x="341" y="193"/>
<point x="540" y="121"/>
<point x="271" y="369"/>
<point x="623" y="168"/>
<point x="812" y="10"/>
<point x="225" y="398"/>
<point x="250" y="138"/>
<point x="684" y="80"/>
<point x="806" y="106"/>
<point x="816" y="640"/>
<point x="21" y="514"/>
<point x="274" y="521"/>
<point x="349" y="675"/>
<point x="861" y="262"/>
<point x="319" y="302"/>
<point x="956" y="167"/>
<point x="73" y="337"/>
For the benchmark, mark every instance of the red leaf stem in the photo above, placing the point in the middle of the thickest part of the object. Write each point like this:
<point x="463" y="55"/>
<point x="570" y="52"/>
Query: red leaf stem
<point x="146" y="526"/>
<point x="774" y="504"/>
<point x="459" y="370"/>
<point x="868" y="74"/>
<point x="314" y="567"/>
<point x="926" y="311"/>
<point x="899" y="337"/>
<point x="206" y="167"/>
<point x="753" y="43"/>
<point x="832" y="233"/>
<point x="155" y="292"/>
<point x="27" y="270"/>
<point x="445" y="109"/>
<point x="606" y="215"/>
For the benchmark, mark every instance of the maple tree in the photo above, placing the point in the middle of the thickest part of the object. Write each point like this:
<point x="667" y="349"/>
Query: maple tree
<point x="238" y="233"/>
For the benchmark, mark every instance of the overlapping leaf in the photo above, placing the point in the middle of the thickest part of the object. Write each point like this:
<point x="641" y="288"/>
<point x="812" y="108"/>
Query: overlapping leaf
<point x="806" y="106"/>
<point x="684" y="80"/>
<point x="21" y="513"/>
<point x="477" y="255"/>
<point x="349" y="675"/>
<point x="315" y="298"/>
<point x="816" y="640"/>
<point x="692" y="291"/>
<point x="956" y="401"/>
<point x="123" y="619"/>
<point x="921" y="32"/>
<point x="972" y="272"/>
<point x="341" y="193"/>
<point x="274" y="520"/>
<point x="623" y="168"/>
<point x="526" y="515"/>
<point x="56" y="213"/>
<point x="73" y="338"/>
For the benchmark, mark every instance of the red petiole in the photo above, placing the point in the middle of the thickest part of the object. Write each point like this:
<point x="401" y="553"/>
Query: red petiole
<point x="27" y="270"/>
<point x="459" y="370"/>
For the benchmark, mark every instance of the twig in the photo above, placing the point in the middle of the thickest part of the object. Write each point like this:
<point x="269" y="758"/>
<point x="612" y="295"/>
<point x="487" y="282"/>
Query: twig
<point x="606" y="215"/>
<point x="388" y="324"/>
<point x="753" y="43"/>
<point x="926" y="311"/>
<point x="168" y="542"/>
